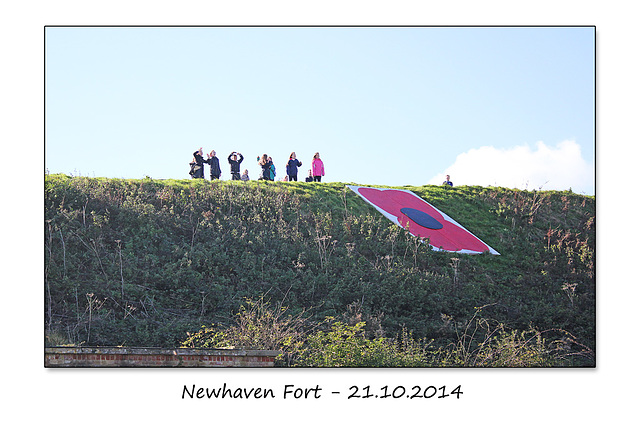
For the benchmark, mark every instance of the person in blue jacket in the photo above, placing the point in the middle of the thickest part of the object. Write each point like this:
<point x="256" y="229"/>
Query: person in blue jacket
<point x="272" y="170"/>
<point x="292" y="167"/>
<point x="448" y="182"/>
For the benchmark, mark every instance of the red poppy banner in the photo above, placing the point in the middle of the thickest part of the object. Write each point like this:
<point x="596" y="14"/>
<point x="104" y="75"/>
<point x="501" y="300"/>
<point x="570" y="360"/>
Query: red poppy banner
<point x="423" y="220"/>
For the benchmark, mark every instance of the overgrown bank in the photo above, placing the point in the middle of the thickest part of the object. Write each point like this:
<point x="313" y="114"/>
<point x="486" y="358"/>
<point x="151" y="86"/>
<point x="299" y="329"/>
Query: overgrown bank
<point x="143" y="262"/>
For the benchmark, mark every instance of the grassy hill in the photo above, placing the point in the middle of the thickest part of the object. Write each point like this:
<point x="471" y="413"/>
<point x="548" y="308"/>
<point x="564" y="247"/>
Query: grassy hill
<point x="147" y="262"/>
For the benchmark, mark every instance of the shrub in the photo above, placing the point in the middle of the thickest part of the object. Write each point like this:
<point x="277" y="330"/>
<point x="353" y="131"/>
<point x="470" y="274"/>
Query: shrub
<point x="346" y="346"/>
<point x="163" y="257"/>
<point x="257" y="325"/>
<point x="487" y="343"/>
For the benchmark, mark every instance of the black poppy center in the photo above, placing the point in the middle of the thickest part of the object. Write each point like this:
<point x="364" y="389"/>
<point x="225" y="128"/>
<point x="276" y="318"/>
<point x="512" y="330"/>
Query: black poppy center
<point x="422" y="218"/>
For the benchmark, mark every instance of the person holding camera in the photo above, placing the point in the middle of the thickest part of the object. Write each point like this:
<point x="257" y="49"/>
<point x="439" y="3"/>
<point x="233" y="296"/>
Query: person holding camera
<point x="235" y="165"/>
<point x="197" y="165"/>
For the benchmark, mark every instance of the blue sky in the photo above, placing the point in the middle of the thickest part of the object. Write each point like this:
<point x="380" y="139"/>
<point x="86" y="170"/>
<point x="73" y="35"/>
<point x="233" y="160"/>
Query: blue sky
<point x="506" y="106"/>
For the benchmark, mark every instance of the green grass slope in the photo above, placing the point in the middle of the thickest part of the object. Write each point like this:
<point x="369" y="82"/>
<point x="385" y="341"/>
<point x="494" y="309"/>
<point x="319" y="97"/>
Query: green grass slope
<point x="144" y="262"/>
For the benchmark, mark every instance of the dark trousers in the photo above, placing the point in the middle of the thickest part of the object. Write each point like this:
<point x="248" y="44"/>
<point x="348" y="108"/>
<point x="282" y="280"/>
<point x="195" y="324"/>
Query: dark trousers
<point x="317" y="178"/>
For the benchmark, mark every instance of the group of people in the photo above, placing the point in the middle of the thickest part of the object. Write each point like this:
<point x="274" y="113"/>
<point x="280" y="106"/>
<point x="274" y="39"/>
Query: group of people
<point x="266" y="163"/>
<point x="268" y="172"/>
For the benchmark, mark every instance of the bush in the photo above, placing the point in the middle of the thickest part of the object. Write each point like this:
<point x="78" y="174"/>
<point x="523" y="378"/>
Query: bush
<point x="160" y="258"/>
<point x="487" y="343"/>
<point x="347" y="346"/>
<point x="257" y="326"/>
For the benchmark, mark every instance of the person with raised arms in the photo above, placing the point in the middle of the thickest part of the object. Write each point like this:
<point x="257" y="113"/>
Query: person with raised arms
<point x="235" y="164"/>
<point x="197" y="165"/>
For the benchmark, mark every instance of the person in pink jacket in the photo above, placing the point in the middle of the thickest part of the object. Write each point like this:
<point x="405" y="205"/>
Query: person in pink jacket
<point x="317" y="167"/>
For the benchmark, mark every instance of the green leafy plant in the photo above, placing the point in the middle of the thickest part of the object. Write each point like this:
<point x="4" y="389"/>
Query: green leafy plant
<point x="347" y="346"/>
<point x="164" y="257"/>
<point x="257" y="325"/>
<point x="482" y="342"/>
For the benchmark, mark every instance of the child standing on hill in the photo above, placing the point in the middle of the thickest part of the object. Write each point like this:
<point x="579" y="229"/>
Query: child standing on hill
<point x="310" y="177"/>
<point x="292" y="167"/>
<point x="265" y="164"/>
<point x="318" y="168"/>
<point x="272" y="170"/>
<point x="235" y="164"/>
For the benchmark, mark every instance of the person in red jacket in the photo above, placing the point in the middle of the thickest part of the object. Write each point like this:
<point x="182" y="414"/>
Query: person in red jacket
<point x="317" y="167"/>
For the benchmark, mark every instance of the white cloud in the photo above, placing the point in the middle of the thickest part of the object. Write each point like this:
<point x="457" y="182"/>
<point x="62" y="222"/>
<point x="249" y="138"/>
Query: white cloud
<point x="550" y="168"/>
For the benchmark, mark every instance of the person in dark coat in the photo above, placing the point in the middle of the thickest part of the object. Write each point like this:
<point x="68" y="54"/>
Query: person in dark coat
<point x="214" y="162"/>
<point x="266" y="164"/>
<point x="197" y="165"/>
<point x="235" y="164"/>
<point x="448" y="182"/>
<point x="309" y="178"/>
<point x="292" y="167"/>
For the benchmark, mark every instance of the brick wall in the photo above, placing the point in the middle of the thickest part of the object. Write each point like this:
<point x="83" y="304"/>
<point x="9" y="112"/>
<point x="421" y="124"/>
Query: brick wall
<point x="118" y="357"/>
